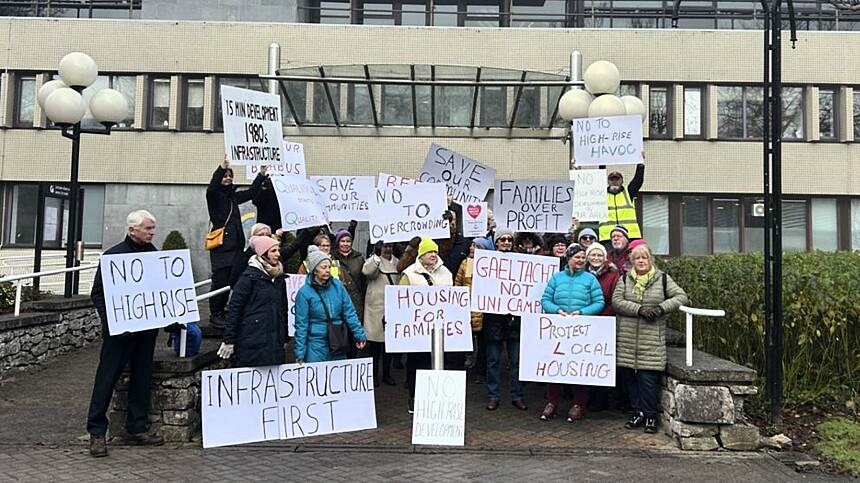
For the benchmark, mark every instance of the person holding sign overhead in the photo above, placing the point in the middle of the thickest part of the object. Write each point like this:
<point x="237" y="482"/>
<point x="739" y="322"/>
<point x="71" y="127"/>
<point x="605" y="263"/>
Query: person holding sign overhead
<point x="571" y="292"/>
<point x="324" y="314"/>
<point x="622" y="208"/>
<point x="133" y="349"/>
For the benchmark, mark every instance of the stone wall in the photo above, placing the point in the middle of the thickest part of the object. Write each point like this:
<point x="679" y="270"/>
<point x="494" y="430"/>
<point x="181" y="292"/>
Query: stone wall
<point x="57" y="327"/>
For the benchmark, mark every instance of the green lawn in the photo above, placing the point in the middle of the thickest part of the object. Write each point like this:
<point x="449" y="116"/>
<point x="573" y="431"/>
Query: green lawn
<point x="841" y="443"/>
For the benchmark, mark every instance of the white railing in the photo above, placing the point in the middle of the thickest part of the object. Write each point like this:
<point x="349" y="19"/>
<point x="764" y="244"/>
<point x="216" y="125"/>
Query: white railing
<point x="183" y="333"/>
<point x="18" y="280"/>
<point x="14" y="261"/>
<point x="688" y="332"/>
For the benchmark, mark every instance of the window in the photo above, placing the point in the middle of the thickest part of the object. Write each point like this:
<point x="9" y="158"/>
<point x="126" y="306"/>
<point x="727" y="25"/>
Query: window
<point x="753" y="225"/>
<point x="826" y="114"/>
<point x="857" y="115"/>
<point x="546" y="14"/>
<point x="22" y="224"/>
<point x="855" y="224"/>
<point x="193" y="101"/>
<point x="824" y="229"/>
<point x="740" y="112"/>
<point x="298" y="92"/>
<point x="727" y="225"/>
<point x="481" y="15"/>
<point x="159" y="103"/>
<point x="659" y="112"/>
<point x="125" y="84"/>
<point x="528" y="110"/>
<point x="358" y="105"/>
<point x="25" y="92"/>
<point x="445" y="15"/>
<point x="93" y="215"/>
<point x="397" y="105"/>
<point x="692" y="111"/>
<point x="494" y="110"/>
<point x="628" y="90"/>
<point x="454" y="106"/>
<point x="694" y="229"/>
<point x="792" y="113"/>
<point x="412" y="14"/>
<point x="655" y="222"/>
<point x="322" y="109"/>
<point x="794" y="225"/>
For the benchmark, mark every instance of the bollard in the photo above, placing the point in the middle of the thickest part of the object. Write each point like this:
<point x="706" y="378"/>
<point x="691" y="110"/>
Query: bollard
<point x="437" y="349"/>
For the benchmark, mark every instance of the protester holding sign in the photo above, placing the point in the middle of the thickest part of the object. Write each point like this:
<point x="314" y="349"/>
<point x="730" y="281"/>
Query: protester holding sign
<point x="379" y="270"/>
<point x="622" y="208"/>
<point x="571" y="292"/>
<point x="428" y="270"/>
<point x="351" y="264"/>
<point x="222" y="201"/>
<point x="642" y="300"/>
<point x="464" y="279"/>
<point x="324" y="315"/>
<point x="266" y="202"/>
<point x="132" y="349"/>
<point x="587" y="236"/>
<point x="607" y="276"/>
<point x="256" y="328"/>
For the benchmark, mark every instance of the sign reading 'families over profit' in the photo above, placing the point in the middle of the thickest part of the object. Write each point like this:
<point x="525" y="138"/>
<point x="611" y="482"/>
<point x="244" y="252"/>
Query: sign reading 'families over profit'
<point x="510" y="283"/>
<point x="299" y="202"/>
<point x="440" y="408"/>
<point x="345" y="197"/>
<point x="534" y="205"/>
<point x="589" y="195"/>
<point x="292" y="163"/>
<point x="148" y="290"/>
<point x="567" y="350"/>
<point x="294" y="283"/>
<point x="412" y="312"/>
<point x="253" y="133"/>
<point x="248" y="404"/>
<point x="607" y="140"/>
<point x="475" y="219"/>
<point x="386" y="180"/>
<point x="467" y="180"/>
<point x="401" y="213"/>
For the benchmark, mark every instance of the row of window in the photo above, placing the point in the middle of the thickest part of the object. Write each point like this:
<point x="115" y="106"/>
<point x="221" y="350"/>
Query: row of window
<point x="20" y="202"/>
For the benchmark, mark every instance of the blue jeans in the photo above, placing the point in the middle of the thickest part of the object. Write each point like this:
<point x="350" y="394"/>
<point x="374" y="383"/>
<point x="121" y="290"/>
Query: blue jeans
<point x="494" y="352"/>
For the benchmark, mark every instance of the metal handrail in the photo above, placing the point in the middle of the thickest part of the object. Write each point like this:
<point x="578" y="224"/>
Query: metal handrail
<point x="18" y="280"/>
<point x="688" y="332"/>
<point x="183" y="333"/>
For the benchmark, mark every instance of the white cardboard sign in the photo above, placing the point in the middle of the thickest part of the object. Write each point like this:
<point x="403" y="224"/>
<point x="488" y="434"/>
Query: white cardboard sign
<point x="148" y="290"/>
<point x="467" y="180"/>
<point x="538" y="206"/>
<point x="299" y="202"/>
<point x="401" y="213"/>
<point x="475" y="219"/>
<point x="248" y="404"/>
<point x="568" y="350"/>
<point x="386" y="180"/>
<point x="253" y="133"/>
<point x="345" y="197"/>
<point x="412" y="312"/>
<point x="589" y="195"/>
<point x="294" y="282"/>
<point x="510" y="283"/>
<point x="292" y="164"/>
<point x="440" y="408"/>
<point x="607" y="140"/>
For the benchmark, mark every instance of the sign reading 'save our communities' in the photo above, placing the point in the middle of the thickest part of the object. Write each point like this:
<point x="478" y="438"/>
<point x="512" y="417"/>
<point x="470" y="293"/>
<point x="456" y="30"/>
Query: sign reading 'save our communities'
<point x="299" y="202"/>
<point x="440" y="408"/>
<point x="607" y="140"/>
<point x="412" y="312"/>
<point x="467" y="180"/>
<point x="345" y="197"/>
<point x="510" y="283"/>
<point x="253" y="133"/>
<point x="148" y="290"/>
<point x="292" y="163"/>
<point x="567" y="350"/>
<point x="539" y="206"/>
<point x="294" y="282"/>
<point x="248" y="404"/>
<point x="403" y="212"/>
<point x="589" y="197"/>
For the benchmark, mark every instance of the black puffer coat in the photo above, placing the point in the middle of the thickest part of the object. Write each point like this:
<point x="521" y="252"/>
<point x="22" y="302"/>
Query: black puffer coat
<point x="219" y="199"/>
<point x="257" y="319"/>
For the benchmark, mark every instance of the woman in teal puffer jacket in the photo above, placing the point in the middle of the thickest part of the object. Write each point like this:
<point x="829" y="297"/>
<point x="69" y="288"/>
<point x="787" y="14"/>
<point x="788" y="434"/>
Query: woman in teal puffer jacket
<point x="322" y="297"/>
<point x="571" y="292"/>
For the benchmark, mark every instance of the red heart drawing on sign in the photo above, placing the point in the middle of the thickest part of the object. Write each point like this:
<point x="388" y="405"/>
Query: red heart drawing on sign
<point x="474" y="210"/>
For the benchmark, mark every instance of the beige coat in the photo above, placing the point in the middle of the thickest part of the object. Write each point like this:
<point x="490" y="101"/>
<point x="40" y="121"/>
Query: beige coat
<point x="379" y="272"/>
<point x="464" y="279"/>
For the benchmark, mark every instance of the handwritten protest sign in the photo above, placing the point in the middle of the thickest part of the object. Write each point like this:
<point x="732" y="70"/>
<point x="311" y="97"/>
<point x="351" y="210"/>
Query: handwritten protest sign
<point x="253" y="133"/>
<point x="567" y="350"/>
<point x="467" y="180"/>
<point x="148" y="290"/>
<point x="411" y="313"/>
<point x="386" y="180"/>
<point x="299" y="202"/>
<point x="294" y="283"/>
<point x="345" y="197"/>
<point x="534" y="205"/>
<point x="244" y="405"/>
<point x="589" y="195"/>
<point x="607" y="140"/>
<point x="475" y="219"/>
<point x="292" y="163"/>
<point x="440" y="408"/>
<point x="400" y="213"/>
<point x="510" y="283"/>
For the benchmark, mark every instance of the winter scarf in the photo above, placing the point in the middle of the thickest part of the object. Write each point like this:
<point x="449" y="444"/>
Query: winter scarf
<point x="642" y="281"/>
<point x="260" y="263"/>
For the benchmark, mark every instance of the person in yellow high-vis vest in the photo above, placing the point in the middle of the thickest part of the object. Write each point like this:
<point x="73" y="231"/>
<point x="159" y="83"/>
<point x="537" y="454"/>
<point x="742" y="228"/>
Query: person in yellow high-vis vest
<point x="622" y="208"/>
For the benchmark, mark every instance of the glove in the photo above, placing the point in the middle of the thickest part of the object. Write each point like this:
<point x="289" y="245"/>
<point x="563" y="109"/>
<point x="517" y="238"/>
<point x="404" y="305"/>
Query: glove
<point x="225" y="351"/>
<point x="651" y="313"/>
<point x="414" y="242"/>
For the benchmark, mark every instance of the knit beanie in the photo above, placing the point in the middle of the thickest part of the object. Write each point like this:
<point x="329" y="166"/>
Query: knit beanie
<point x="595" y="247"/>
<point x="340" y="234"/>
<point x="315" y="257"/>
<point x="262" y="244"/>
<point x="587" y="232"/>
<point x="554" y="239"/>
<point x="636" y="243"/>
<point x="572" y="250"/>
<point x="504" y="231"/>
<point x="427" y="245"/>
<point x="622" y="230"/>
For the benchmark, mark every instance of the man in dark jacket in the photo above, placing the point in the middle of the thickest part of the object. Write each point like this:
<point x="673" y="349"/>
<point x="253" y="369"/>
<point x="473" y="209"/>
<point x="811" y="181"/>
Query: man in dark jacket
<point x="134" y="349"/>
<point x="223" y="200"/>
<point x="268" y="209"/>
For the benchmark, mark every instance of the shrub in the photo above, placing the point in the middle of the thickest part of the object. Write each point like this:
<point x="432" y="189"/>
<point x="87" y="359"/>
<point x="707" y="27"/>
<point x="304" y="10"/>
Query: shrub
<point x="821" y="315"/>
<point x="174" y="241"/>
<point x="7" y="294"/>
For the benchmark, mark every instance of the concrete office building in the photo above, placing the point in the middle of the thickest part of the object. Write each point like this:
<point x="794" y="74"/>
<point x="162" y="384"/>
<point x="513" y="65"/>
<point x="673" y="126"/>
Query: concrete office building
<point x="701" y="84"/>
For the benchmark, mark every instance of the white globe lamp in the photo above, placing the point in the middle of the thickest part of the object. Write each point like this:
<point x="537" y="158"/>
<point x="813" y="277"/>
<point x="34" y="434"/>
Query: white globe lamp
<point x="606" y="105"/>
<point x="78" y="70"/>
<point x="47" y="89"/>
<point x="65" y="106"/>
<point x="109" y="107"/>
<point x="602" y="77"/>
<point x="574" y="104"/>
<point x="633" y="105"/>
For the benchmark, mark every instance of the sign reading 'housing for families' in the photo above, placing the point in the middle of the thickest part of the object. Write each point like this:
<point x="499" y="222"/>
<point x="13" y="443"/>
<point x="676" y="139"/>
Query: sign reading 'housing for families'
<point x="148" y="290"/>
<point x="252" y="126"/>
<point x="607" y="140"/>
<point x="412" y="312"/>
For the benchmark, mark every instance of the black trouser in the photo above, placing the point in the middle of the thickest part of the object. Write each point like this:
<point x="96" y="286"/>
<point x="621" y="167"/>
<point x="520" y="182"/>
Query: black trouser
<point x="480" y="363"/>
<point x="642" y="386"/>
<point x="134" y="350"/>
<point x="380" y="358"/>
<point x="415" y="361"/>
<point x="220" y="278"/>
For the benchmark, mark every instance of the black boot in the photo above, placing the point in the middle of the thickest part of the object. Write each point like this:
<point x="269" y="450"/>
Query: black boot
<point x="651" y="425"/>
<point x="637" y="421"/>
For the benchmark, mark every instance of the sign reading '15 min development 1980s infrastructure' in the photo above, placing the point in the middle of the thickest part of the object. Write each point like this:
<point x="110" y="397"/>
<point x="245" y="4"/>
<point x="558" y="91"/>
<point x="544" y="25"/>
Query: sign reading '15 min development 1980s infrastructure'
<point x="253" y="133"/>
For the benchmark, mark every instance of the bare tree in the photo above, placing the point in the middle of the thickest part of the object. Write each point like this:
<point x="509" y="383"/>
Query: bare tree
<point x="852" y="5"/>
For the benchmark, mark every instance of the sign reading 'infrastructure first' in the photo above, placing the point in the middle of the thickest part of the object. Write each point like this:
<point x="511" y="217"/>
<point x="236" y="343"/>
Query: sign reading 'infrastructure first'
<point x="252" y="126"/>
<point x="148" y="290"/>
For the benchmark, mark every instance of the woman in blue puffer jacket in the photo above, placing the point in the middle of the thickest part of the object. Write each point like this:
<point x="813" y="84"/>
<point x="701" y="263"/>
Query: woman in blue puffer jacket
<point x="323" y="297"/>
<point x="571" y="292"/>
